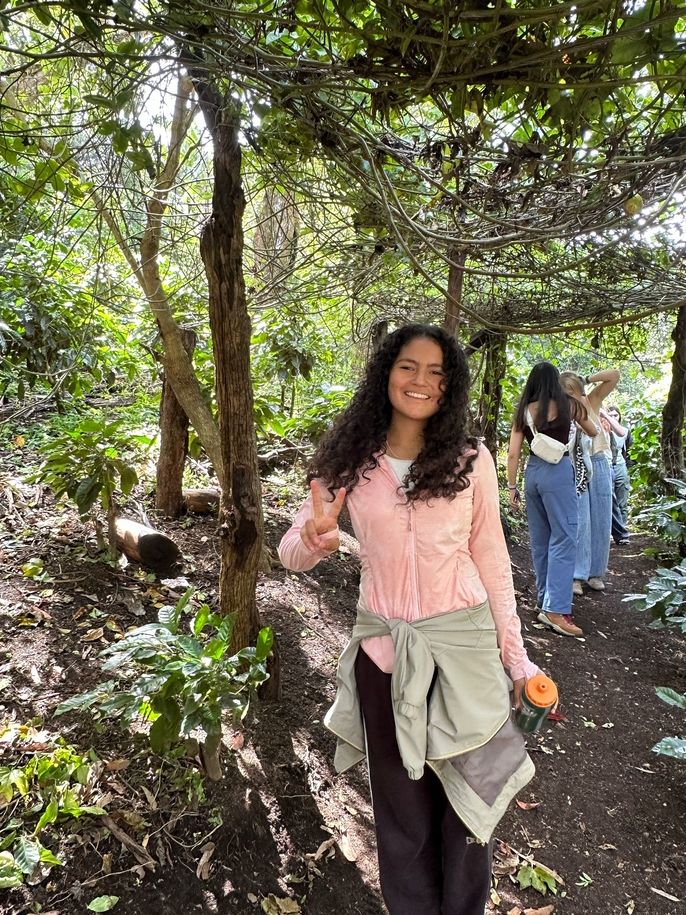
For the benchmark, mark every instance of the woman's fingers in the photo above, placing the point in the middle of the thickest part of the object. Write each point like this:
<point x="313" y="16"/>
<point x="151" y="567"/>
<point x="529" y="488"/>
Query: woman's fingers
<point x="337" y="504"/>
<point x="325" y="513"/>
<point x="309" y="535"/>
<point x="317" y="503"/>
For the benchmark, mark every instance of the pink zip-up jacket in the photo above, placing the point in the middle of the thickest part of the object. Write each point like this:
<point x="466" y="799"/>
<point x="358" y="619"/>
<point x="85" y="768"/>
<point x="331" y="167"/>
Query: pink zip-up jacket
<point x="420" y="559"/>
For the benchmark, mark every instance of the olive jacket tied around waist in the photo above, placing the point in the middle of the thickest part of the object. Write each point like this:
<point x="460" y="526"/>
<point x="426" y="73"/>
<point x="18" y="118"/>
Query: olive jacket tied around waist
<point x="451" y="706"/>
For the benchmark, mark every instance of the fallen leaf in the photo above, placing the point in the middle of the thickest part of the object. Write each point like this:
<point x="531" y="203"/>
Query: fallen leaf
<point x="237" y="741"/>
<point x="556" y="716"/>
<point x="324" y="847"/>
<point x="546" y="910"/>
<point x="275" y="905"/>
<point x="114" y="765"/>
<point x="202" y="871"/>
<point x="346" y="847"/>
<point x="515" y="911"/>
<point x="150" y="798"/>
<point x="630" y="906"/>
<point x="528" y="805"/>
<point x="93" y="635"/>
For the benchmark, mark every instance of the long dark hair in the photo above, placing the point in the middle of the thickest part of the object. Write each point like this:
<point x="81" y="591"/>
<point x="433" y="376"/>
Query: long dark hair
<point x="543" y="386"/>
<point x="351" y="448"/>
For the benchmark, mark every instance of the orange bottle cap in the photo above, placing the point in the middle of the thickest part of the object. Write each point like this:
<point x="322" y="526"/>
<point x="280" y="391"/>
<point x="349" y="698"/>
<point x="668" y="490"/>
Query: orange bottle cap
<point x="541" y="691"/>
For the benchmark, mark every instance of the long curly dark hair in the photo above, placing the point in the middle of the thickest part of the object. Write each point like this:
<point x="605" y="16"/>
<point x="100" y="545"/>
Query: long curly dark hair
<point x="352" y="447"/>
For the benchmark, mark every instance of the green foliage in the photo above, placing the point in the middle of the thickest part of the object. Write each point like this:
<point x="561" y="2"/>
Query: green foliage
<point x="672" y="746"/>
<point x="54" y="785"/>
<point x="645" y="452"/>
<point x="178" y="682"/>
<point x="327" y="401"/>
<point x="665" y="597"/>
<point x="54" y="330"/>
<point x="90" y="461"/>
<point x="102" y="903"/>
<point x="668" y="515"/>
<point x="538" y="877"/>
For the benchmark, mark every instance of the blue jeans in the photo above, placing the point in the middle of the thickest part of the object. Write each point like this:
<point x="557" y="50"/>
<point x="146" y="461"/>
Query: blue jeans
<point x="595" y="522"/>
<point x="620" y="490"/>
<point x="553" y="516"/>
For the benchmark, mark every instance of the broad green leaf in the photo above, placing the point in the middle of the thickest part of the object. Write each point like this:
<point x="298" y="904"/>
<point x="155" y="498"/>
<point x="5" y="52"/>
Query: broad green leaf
<point x="87" y="492"/>
<point x="671" y="697"/>
<point x="49" y="816"/>
<point x="27" y="854"/>
<point x="265" y="641"/>
<point x="10" y="872"/>
<point x="32" y="568"/>
<point x="47" y="857"/>
<point x="102" y="903"/>
<point x="672" y="746"/>
<point x="129" y="478"/>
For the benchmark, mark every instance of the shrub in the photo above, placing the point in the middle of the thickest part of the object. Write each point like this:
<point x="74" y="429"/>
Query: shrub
<point x="179" y="682"/>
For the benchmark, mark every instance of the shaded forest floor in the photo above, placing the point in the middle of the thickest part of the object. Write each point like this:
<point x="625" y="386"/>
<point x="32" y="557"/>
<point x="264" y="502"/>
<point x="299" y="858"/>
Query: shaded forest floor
<point x="282" y="833"/>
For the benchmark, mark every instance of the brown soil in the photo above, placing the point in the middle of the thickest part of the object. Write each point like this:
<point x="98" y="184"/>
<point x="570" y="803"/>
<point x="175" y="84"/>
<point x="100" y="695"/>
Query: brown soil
<point x="610" y="813"/>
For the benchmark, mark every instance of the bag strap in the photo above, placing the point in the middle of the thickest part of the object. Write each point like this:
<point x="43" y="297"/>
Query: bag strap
<point x="530" y="420"/>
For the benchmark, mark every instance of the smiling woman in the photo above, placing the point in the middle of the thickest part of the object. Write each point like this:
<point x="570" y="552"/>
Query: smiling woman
<point x="436" y="619"/>
<point x="415" y="387"/>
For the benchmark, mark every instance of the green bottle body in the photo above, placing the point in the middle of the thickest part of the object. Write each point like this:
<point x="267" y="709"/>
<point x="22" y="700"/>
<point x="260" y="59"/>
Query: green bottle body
<point x="539" y="696"/>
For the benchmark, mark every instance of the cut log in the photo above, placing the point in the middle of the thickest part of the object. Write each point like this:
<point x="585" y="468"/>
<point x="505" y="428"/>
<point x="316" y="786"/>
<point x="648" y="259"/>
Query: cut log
<point x="145" y="545"/>
<point x="202" y="501"/>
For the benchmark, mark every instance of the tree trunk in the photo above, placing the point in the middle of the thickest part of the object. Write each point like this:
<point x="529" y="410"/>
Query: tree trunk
<point x="169" y="497"/>
<point x="453" y="302"/>
<point x="675" y="406"/>
<point x="221" y="247"/>
<point x="495" y="366"/>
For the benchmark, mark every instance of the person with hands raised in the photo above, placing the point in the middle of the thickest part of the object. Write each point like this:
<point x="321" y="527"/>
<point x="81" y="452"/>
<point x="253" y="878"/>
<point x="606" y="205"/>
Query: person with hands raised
<point x="424" y="682"/>
<point x="595" y="502"/>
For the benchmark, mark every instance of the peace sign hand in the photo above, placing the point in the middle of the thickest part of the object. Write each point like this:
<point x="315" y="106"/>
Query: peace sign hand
<point x="320" y="533"/>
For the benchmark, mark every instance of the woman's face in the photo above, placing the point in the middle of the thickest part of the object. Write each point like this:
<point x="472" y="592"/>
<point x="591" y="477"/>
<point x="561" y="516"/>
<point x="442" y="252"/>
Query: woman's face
<point x="415" y="382"/>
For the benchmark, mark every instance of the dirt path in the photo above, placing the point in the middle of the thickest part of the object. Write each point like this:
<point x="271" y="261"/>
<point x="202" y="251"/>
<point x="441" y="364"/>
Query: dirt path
<point x="287" y="834"/>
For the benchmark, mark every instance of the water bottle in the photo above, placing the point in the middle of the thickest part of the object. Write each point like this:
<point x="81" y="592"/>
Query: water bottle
<point x="538" y="697"/>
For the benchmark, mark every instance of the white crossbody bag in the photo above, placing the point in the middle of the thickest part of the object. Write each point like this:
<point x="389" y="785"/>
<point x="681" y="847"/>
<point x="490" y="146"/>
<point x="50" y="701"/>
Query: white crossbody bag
<point x="545" y="447"/>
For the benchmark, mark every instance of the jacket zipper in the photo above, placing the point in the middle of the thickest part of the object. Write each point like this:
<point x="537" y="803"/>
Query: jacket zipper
<point x="411" y="530"/>
<point x="414" y="572"/>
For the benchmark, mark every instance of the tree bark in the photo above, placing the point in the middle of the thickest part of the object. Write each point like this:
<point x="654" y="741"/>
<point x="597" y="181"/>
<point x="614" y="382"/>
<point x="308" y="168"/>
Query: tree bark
<point x="453" y="302"/>
<point x="169" y="497"/>
<point x="490" y="401"/>
<point x="673" y="412"/>
<point x="221" y="247"/>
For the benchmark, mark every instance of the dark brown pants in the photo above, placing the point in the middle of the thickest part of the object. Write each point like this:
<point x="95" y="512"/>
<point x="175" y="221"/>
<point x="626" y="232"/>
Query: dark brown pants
<point x="428" y="862"/>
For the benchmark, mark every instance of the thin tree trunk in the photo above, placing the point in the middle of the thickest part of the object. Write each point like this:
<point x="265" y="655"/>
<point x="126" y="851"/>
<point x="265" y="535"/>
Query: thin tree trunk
<point x="221" y="247"/>
<point x="675" y="406"/>
<point x="169" y="497"/>
<point x="453" y="302"/>
<point x="492" y="390"/>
